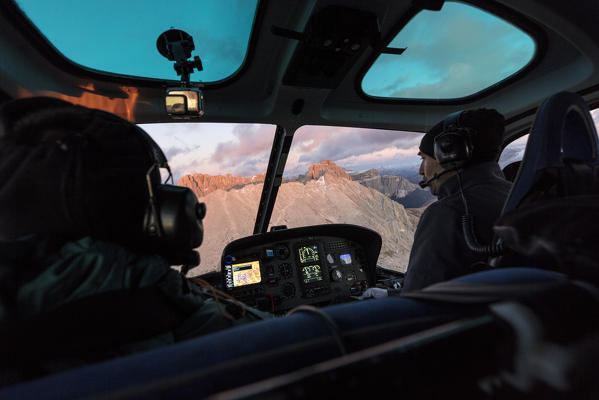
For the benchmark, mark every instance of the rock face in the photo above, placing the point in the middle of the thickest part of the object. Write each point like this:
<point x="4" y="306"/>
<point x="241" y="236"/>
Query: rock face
<point x="327" y="167"/>
<point x="390" y="185"/>
<point x="331" y="198"/>
<point x="397" y="188"/>
<point x="202" y="184"/>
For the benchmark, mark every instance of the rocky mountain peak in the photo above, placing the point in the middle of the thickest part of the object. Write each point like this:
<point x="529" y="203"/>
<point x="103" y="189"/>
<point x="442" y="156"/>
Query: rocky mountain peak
<point x="202" y="184"/>
<point x="370" y="174"/>
<point x="327" y="167"/>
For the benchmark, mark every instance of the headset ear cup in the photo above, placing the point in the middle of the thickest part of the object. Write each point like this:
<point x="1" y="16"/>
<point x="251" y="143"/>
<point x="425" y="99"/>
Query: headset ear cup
<point x="180" y="220"/>
<point x="152" y="225"/>
<point x="453" y="148"/>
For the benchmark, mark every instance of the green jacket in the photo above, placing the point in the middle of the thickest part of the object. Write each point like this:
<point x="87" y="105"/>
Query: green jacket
<point x="36" y="279"/>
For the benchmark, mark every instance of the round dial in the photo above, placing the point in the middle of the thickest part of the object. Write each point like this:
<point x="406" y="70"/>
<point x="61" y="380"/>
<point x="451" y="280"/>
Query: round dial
<point x="336" y="275"/>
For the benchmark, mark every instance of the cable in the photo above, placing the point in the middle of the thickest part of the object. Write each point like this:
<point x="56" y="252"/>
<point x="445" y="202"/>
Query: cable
<point x="459" y="175"/>
<point x="216" y="294"/>
<point x="467" y="221"/>
<point x="328" y="321"/>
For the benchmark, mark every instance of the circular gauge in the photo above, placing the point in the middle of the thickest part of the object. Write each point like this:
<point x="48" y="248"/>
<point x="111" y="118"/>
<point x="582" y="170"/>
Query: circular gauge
<point x="336" y="275"/>
<point x="282" y="252"/>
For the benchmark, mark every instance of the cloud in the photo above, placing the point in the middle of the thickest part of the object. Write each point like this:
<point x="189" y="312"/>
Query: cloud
<point x="385" y="157"/>
<point x="455" y="53"/>
<point x="244" y="149"/>
<point x="248" y="152"/>
<point x="214" y="148"/>
<point x="353" y="148"/>
<point x="171" y="152"/>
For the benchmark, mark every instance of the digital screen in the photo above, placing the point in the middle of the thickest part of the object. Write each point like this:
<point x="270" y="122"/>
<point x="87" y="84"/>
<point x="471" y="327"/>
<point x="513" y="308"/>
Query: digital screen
<point x="312" y="273"/>
<point x="308" y="254"/>
<point x="345" y="258"/>
<point x="246" y="273"/>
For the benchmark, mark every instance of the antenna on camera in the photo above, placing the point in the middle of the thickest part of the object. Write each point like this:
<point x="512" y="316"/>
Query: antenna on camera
<point x="177" y="45"/>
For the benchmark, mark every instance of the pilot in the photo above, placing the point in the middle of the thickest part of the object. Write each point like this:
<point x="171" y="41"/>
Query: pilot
<point x="459" y="165"/>
<point x="83" y="277"/>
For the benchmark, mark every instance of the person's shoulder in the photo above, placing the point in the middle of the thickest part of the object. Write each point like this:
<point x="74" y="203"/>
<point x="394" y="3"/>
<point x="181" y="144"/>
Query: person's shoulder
<point x="439" y="211"/>
<point x="109" y="253"/>
<point x="444" y="206"/>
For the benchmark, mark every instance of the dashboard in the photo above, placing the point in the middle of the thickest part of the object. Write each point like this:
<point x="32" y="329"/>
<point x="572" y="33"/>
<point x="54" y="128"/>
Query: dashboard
<point x="322" y="264"/>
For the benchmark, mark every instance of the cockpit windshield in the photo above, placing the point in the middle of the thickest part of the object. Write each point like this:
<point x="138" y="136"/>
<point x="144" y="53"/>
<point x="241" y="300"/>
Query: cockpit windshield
<point x="224" y="164"/>
<point x="366" y="177"/>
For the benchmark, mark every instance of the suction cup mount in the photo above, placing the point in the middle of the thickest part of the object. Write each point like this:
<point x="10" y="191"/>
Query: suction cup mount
<point x="177" y="45"/>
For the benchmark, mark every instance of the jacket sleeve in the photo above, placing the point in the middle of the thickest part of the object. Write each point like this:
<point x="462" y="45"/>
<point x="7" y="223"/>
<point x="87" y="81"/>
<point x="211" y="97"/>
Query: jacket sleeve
<point x="436" y="253"/>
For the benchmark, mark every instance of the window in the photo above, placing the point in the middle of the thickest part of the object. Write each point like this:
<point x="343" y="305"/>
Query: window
<point x="224" y="164"/>
<point x="119" y="36"/>
<point x="452" y="53"/>
<point x="358" y="176"/>
<point x="513" y="152"/>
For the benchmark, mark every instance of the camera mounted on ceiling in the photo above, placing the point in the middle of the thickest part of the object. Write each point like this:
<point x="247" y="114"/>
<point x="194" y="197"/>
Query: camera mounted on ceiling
<point x="184" y="102"/>
<point x="453" y="147"/>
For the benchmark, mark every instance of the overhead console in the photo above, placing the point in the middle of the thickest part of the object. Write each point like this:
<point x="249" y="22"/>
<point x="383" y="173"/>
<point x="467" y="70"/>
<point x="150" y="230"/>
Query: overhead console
<point x="321" y="264"/>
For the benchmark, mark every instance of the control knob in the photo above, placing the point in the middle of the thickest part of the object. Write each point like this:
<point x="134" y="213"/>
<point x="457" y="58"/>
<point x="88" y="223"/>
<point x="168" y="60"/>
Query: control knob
<point x="336" y="275"/>
<point x="288" y="290"/>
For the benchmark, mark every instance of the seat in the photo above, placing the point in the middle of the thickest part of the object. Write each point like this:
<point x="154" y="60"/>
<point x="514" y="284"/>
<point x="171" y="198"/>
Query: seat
<point x="250" y="353"/>
<point x="551" y="218"/>
<point x="511" y="170"/>
<point x="244" y="354"/>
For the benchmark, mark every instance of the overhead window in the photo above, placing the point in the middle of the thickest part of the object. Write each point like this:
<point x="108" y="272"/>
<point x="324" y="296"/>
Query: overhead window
<point x="448" y="54"/>
<point x="119" y="37"/>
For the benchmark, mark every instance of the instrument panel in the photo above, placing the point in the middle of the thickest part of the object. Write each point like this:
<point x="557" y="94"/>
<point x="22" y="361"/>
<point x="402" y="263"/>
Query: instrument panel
<point x="323" y="264"/>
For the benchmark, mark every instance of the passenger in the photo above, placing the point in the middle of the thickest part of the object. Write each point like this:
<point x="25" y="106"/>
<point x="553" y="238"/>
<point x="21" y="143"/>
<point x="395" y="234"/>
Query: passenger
<point x="80" y="279"/>
<point x="440" y="251"/>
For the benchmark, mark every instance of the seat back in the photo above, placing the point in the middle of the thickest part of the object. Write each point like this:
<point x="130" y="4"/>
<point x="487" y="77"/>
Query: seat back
<point x="561" y="153"/>
<point x="511" y="170"/>
<point x="551" y="217"/>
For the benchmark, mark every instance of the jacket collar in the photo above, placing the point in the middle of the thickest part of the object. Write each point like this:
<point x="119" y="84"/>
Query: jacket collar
<point x="473" y="175"/>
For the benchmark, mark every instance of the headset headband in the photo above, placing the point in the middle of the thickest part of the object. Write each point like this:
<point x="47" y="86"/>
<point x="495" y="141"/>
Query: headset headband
<point x="452" y="121"/>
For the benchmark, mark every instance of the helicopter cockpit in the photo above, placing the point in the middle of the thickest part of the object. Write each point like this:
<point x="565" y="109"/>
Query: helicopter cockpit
<point x="297" y="124"/>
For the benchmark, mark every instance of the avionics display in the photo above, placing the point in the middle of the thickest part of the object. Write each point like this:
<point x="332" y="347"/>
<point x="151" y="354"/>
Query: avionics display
<point x="308" y="254"/>
<point x="312" y="273"/>
<point x="246" y="273"/>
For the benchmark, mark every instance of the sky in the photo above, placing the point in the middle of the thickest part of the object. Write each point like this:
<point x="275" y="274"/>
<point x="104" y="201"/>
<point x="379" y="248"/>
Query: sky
<point x="244" y="149"/>
<point x="453" y="53"/>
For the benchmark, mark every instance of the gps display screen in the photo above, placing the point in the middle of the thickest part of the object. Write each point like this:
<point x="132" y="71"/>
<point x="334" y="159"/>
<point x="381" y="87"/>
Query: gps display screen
<point x="308" y="254"/>
<point x="246" y="273"/>
<point x="312" y="273"/>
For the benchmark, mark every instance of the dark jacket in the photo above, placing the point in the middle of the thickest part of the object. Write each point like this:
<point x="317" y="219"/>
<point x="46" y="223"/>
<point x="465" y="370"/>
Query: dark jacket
<point x="439" y="251"/>
<point x="68" y="304"/>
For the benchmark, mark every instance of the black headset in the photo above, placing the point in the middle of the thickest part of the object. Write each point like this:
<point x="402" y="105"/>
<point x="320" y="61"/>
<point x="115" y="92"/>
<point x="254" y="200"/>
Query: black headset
<point x="173" y="217"/>
<point x="453" y="146"/>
